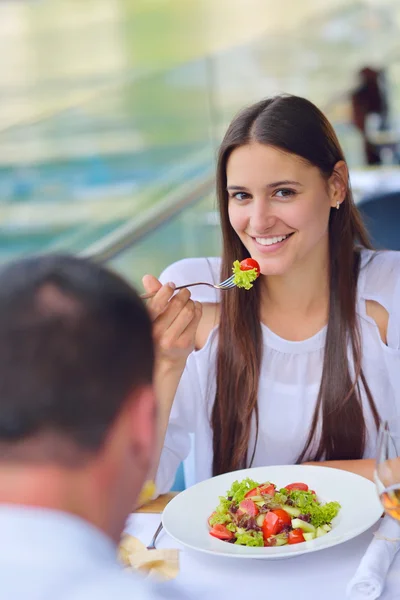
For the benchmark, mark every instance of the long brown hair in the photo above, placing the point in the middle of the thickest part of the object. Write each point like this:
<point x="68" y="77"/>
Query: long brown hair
<point x="296" y="126"/>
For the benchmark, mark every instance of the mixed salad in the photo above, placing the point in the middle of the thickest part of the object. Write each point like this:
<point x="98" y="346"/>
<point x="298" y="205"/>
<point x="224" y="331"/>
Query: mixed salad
<point x="260" y="514"/>
<point x="245" y="272"/>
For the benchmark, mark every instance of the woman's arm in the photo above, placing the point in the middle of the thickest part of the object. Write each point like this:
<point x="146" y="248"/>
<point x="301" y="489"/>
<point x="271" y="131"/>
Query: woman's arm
<point x="364" y="467"/>
<point x="175" y="321"/>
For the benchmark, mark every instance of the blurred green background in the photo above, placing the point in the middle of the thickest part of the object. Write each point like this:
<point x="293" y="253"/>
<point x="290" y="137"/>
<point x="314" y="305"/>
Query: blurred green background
<point x="111" y="111"/>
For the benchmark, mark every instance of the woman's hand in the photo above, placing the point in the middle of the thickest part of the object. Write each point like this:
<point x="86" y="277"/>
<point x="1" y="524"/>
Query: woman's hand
<point x="175" y="321"/>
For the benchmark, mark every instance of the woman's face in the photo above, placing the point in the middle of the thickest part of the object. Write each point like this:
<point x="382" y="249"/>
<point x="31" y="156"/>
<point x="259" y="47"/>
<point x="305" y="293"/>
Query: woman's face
<point x="279" y="205"/>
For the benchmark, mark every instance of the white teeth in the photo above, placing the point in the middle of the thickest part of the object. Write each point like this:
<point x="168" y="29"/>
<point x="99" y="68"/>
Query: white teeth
<point x="270" y="241"/>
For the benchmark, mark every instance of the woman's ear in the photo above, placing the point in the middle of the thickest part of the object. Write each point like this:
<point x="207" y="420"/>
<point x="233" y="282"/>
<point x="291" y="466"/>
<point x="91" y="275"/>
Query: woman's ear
<point x="338" y="184"/>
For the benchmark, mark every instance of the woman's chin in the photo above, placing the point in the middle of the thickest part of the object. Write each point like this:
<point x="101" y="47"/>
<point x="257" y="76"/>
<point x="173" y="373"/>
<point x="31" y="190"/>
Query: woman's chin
<point x="274" y="267"/>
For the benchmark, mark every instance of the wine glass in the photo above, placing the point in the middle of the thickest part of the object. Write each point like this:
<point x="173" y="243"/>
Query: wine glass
<point x="387" y="473"/>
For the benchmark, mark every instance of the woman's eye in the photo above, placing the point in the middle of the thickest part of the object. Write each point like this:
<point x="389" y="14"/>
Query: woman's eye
<point x="284" y="193"/>
<point x="241" y="196"/>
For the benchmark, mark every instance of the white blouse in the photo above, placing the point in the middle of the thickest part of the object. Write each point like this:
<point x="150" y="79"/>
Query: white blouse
<point x="290" y="376"/>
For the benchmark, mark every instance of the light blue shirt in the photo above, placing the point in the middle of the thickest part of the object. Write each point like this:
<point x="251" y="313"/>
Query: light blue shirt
<point x="51" y="555"/>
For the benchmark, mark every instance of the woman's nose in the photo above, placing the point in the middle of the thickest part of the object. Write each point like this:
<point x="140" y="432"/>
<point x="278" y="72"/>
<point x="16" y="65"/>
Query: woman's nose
<point x="262" y="216"/>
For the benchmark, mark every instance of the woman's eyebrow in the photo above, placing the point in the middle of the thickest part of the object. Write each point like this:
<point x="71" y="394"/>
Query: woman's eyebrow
<point x="235" y="188"/>
<point x="284" y="182"/>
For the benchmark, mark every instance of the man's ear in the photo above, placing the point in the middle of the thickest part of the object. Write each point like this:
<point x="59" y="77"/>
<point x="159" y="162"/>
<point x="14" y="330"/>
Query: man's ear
<point x="338" y="183"/>
<point x="124" y="463"/>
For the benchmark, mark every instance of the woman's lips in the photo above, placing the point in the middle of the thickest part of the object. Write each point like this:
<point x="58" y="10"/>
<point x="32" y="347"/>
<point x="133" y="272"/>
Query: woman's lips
<point x="271" y="243"/>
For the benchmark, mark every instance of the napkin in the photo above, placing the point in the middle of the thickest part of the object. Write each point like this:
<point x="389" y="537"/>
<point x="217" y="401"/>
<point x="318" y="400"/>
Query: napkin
<point x="163" y="564"/>
<point x="369" y="579"/>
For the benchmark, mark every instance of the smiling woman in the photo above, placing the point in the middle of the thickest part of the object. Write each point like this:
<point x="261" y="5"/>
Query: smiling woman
<point x="300" y="368"/>
<point x="268" y="211"/>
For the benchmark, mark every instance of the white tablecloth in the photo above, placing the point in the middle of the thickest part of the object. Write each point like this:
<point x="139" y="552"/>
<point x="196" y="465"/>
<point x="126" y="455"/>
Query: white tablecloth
<point x="319" y="575"/>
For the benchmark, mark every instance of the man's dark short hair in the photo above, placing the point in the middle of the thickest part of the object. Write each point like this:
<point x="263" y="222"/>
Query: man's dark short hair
<point x="75" y="342"/>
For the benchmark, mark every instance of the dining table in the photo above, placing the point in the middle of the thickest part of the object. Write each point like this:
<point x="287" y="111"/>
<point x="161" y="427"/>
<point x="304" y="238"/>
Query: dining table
<point x="317" y="575"/>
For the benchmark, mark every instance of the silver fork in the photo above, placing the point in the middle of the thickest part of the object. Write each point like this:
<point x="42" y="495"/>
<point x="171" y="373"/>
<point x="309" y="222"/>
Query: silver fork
<point x="224" y="285"/>
<point x="152" y="545"/>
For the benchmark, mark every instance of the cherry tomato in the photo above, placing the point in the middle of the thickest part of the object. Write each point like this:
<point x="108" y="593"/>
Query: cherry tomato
<point x="296" y="536"/>
<point x="297" y="486"/>
<point x="274" y="522"/>
<point x="249" y="263"/>
<point x="249" y="507"/>
<point x="221" y="532"/>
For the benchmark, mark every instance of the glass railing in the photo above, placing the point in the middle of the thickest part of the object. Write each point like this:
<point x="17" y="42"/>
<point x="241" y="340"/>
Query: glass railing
<point x="68" y="180"/>
<point x="79" y="176"/>
<point x="193" y="232"/>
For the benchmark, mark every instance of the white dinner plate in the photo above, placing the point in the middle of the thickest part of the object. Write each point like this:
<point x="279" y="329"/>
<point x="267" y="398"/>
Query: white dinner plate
<point x="185" y="517"/>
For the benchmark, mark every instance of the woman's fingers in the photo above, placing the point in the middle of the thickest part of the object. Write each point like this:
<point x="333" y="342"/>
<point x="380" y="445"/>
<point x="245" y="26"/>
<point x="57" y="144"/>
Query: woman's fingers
<point x="187" y="337"/>
<point x="175" y="319"/>
<point x="163" y="293"/>
<point x="151" y="284"/>
<point x="180" y="304"/>
<point x="179" y="338"/>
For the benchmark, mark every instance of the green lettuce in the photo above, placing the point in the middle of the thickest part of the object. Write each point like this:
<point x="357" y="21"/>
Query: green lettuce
<point x="224" y="505"/>
<point x="222" y="518"/>
<point x="253" y="538"/>
<point x="280" y="498"/>
<point x="243" y="279"/>
<point x="301" y="499"/>
<point x="320" y="513"/>
<point x="324" y="513"/>
<point x="236" y="493"/>
<point x="239" y="489"/>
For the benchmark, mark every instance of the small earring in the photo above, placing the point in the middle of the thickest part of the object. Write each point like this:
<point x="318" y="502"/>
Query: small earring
<point x="337" y="205"/>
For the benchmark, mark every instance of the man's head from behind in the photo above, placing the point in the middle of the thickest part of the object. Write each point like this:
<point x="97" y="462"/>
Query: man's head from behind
<point x="77" y="418"/>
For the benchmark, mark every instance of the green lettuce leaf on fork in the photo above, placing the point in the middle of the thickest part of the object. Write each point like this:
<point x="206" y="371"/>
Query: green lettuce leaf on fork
<point x="243" y="279"/>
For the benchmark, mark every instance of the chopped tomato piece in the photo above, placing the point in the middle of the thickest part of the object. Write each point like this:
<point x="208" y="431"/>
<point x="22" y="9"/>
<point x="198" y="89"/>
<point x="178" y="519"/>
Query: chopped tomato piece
<point x="265" y="488"/>
<point x="268" y="489"/>
<point x="271" y="525"/>
<point x="221" y="532"/>
<point x="249" y="507"/>
<point x="274" y="522"/>
<point x="254" y="492"/>
<point x="283" y="516"/>
<point x="249" y="263"/>
<point x="296" y="536"/>
<point x="297" y="486"/>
